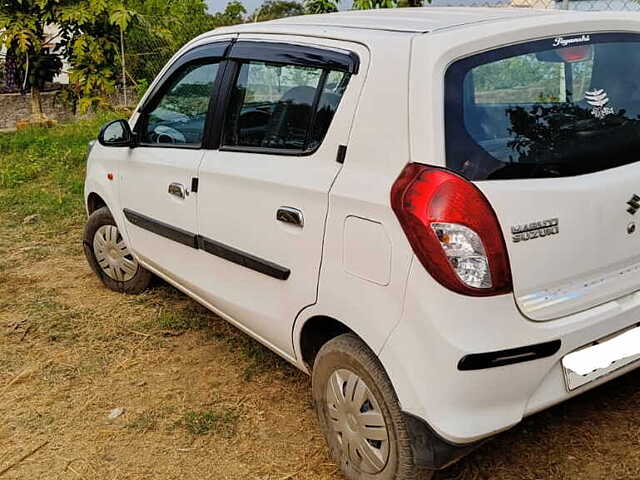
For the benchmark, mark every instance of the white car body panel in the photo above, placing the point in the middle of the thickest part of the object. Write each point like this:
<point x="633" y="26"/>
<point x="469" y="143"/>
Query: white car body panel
<point x="101" y="163"/>
<point x="237" y="206"/>
<point x="465" y="406"/>
<point x="144" y="178"/>
<point x="591" y="260"/>
<point x="393" y="114"/>
<point x="362" y="189"/>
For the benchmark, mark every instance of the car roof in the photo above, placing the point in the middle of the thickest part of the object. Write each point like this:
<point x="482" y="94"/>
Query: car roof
<point x="412" y="20"/>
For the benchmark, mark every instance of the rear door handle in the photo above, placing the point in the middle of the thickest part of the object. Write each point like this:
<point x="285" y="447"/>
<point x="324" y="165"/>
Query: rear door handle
<point x="290" y="215"/>
<point x="178" y="190"/>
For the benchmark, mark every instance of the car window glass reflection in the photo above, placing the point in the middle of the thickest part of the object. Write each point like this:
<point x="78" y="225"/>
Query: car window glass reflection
<point x="282" y="107"/>
<point x="114" y="133"/>
<point x="180" y="115"/>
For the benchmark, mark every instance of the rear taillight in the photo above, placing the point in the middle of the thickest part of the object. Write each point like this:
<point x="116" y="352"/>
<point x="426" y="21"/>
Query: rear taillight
<point x="452" y="229"/>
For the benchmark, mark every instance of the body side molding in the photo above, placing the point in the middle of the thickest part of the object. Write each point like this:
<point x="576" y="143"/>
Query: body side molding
<point x="208" y="245"/>
<point x="160" y="228"/>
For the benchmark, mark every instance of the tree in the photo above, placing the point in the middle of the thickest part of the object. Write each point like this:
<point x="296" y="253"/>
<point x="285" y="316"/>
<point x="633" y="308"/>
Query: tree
<point x="320" y="6"/>
<point x="22" y="32"/>
<point x="233" y="14"/>
<point x="161" y="28"/>
<point x="273" y="9"/>
<point x="88" y="34"/>
<point x="369" y="4"/>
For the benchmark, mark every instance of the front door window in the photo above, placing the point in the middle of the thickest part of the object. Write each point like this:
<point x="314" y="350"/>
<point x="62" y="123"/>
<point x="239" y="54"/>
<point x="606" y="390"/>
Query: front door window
<point x="179" y="115"/>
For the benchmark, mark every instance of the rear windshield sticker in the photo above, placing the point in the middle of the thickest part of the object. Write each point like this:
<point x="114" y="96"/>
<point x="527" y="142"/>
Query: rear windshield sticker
<point x="599" y="99"/>
<point x="565" y="42"/>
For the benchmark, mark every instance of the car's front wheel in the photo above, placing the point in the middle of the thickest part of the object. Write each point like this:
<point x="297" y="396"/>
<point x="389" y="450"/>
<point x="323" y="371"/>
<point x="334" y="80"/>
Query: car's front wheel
<point x="109" y="255"/>
<point x="360" y="415"/>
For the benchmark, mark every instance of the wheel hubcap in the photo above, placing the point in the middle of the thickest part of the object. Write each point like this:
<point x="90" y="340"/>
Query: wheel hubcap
<point x="113" y="255"/>
<point x="357" y="421"/>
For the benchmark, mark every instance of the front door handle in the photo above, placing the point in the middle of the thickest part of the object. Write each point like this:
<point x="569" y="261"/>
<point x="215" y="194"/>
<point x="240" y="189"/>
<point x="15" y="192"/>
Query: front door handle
<point x="178" y="190"/>
<point x="290" y="215"/>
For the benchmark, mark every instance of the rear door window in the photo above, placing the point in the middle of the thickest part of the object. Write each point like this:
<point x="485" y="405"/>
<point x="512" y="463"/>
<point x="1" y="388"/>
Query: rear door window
<point x="278" y="107"/>
<point x="550" y="108"/>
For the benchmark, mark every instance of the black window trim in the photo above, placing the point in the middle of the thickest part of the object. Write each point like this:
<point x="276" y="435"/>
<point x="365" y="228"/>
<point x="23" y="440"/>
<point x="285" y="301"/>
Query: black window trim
<point x="325" y="58"/>
<point x="229" y="72"/>
<point x="231" y="53"/>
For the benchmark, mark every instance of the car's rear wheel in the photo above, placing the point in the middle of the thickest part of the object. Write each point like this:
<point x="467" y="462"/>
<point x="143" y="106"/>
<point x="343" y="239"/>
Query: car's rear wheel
<point x="109" y="255"/>
<point x="360" y="415"/>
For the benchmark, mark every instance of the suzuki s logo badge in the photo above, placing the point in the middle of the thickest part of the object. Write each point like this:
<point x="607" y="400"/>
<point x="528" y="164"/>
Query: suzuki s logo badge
<point x="529" y="231"/>
<point x="598" y="99"/>
<point x="634" y="204"/>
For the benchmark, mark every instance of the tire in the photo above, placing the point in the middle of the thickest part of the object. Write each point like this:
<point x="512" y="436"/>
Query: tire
<point x="346" y="368"/>
<point x="119" y="272"/>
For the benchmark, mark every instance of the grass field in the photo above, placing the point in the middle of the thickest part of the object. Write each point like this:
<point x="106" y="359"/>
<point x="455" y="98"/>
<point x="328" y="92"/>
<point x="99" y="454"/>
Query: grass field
<point x="199" y="399"/>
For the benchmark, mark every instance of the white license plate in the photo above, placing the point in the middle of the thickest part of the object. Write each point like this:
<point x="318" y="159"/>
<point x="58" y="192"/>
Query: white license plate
<point x="590" y="363"/>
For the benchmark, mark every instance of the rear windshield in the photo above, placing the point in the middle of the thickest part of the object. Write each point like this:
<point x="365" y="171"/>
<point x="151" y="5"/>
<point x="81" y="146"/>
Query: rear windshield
<point x="557" y="107"/>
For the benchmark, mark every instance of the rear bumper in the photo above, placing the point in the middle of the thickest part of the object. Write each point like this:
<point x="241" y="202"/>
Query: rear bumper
<point x="439" y="329"/>
<point x="432" y="451"/>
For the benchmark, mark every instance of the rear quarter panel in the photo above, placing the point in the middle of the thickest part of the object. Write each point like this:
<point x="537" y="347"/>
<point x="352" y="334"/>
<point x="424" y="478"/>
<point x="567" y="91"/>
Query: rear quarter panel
<point x="369" y="300"/>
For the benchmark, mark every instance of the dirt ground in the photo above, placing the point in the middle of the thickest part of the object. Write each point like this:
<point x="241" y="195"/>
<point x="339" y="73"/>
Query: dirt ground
<point x="203" y="401"/>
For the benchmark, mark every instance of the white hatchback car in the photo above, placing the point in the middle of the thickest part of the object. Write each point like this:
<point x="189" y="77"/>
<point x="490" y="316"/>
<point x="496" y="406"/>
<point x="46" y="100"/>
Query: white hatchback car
<point x="430" y="210"/>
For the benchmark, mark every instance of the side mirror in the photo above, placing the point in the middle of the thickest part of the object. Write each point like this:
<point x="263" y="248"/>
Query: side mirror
<point x="116" y="134"/>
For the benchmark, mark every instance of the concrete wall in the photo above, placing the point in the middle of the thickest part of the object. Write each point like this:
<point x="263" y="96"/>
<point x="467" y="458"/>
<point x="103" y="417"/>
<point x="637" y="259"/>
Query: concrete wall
<point x="14" y="107"/>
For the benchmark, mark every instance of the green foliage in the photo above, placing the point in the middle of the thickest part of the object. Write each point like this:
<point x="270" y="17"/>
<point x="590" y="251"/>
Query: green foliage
<point x="321" y="6"/>
<point x="369" y="4"/>
<point x="88" y="34"/>
<point x="180" y="320"/>
<point x="525" y="79"/>
<point x="221" y="421"/>
<point x="522" y="70"/>
<point x="141" y="87"/>
<point x="272" y="9"/>
<point x="93" y="75"/>
<point x="22" y="31"/>
<point x="163" y="27"/>
<point x="233" y="14"/>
